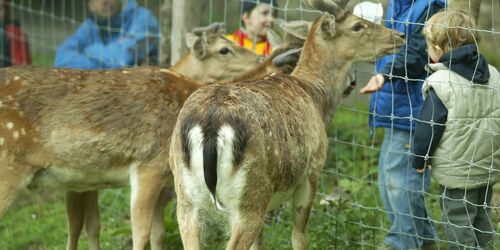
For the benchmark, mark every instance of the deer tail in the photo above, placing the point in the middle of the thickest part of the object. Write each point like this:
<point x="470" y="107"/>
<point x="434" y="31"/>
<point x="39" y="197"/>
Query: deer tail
<point x="220" y="143"/>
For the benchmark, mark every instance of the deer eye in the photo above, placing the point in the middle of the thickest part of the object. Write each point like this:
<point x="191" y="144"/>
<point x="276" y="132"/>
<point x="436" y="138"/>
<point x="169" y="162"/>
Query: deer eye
<point x="224" y="51"/>
<point x="357" y="27"/>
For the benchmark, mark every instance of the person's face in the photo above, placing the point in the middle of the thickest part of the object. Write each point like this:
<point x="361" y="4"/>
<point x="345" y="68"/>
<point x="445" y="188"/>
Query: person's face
<point x="259" y="20"/>
<point x="434" y="51"/>
<point x="105" y="8"/>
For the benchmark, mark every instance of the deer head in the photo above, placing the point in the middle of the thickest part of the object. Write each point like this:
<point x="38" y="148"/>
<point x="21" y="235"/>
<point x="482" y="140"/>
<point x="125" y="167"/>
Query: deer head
<point x="338" y="39"/>
<point x="353" y="37"/>
<point x="213" y="57"/>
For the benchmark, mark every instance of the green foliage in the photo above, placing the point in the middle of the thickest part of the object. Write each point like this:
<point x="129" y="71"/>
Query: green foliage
<point x="42" y="59"/>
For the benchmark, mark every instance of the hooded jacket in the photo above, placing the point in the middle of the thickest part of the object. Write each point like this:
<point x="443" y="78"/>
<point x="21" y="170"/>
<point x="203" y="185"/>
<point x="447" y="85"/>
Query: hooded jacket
<point x="398" y="102"/>
<point x="129" y="38"/>
<point x="459" y="125"/>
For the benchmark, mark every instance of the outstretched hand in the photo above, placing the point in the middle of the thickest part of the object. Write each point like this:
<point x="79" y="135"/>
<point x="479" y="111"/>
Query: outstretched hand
<point x="374" y="84"/>
<point x="420" y="170"/>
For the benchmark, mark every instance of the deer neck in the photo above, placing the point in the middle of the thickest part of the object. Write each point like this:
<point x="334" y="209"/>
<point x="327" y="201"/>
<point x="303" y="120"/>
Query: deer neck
<point x="261" y="70"/>
<point x="188" y="66"/>
<point x="324" y="73"/>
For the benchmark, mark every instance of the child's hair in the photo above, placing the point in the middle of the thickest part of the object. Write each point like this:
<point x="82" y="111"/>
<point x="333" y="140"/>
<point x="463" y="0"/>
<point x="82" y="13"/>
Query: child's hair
<point x="450" y="30"/>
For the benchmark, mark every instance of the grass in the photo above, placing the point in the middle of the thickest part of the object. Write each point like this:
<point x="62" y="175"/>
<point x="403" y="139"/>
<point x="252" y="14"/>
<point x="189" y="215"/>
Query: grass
<point x="347" y="215"/>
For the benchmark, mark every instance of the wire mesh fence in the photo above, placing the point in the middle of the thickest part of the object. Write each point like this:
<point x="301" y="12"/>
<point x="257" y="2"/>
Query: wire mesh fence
<point x="349" y="212"/>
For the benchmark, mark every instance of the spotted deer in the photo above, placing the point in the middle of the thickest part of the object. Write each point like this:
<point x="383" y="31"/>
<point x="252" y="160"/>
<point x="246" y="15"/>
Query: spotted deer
<point x="82" y="131"/>
<point x="243" y="148"/>
<point x="212" y="57"/>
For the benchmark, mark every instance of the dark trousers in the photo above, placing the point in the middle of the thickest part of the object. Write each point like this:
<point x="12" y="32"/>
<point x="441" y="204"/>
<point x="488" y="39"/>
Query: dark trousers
<point x="466" y="219"/>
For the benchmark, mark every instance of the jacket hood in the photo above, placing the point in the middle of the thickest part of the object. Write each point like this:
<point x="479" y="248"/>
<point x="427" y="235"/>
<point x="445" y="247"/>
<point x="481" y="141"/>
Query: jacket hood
<point x="116" y="20"/>
<point x="465" y="61"/>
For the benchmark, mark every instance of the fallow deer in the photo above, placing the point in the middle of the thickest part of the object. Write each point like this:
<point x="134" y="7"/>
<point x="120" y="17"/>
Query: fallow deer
<point x="212" y="57"/>
<point x="87" y="130"/>
<point x="243" y="148"/>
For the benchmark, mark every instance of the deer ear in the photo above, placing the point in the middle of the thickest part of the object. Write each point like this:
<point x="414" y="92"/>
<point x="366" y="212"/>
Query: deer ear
<point x="291" y="57"/>
<point x="298" y="29"/>
<point x="200" y="46"/>
<point x="191" y="40"/>
<point x="328" y="26"/>
<point x="274" y="39"/>
<point x="221" y="29"/>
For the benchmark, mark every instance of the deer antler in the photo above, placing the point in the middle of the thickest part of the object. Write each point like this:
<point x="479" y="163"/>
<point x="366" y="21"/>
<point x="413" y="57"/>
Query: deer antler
<point x="214" y="28"/>
<point x="334" y="7"/>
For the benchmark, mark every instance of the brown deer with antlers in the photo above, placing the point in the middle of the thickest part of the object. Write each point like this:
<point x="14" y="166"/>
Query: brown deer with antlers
<point x="243" y="148"/>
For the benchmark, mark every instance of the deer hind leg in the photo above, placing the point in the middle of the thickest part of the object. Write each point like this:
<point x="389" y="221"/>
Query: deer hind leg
<point x="158" y="227"/>
<point x="259" y="243"/>
<point x="147" y="181"/>
<point x="248" y="220"/>
<point x="92" y="219"/>
<point x="189" y="221"/>
<point x="13" y="178"/>
<point x="245" y="229"/>
<point x="303" y="198"/>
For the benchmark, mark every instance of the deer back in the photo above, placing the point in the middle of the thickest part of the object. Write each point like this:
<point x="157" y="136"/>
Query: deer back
<point x="279" y="130"/>
<point x="89" y="118"/>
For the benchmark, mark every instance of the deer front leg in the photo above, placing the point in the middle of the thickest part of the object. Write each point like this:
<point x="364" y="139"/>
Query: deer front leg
<point x="158" y="227"/>
<point x="92" y="219"/>
<point x="146" y="184"/>
<point x="303" y="198"/>
<point x="75" y="212"/>
<point x="82" y="208"/>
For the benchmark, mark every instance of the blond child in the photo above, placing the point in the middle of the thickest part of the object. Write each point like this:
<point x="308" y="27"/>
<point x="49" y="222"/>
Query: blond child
<point x="458" y="129"/>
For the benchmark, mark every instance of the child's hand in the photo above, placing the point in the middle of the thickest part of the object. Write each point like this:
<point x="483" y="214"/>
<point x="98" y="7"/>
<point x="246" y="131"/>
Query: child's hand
<point x="374" y="84"/>
<point x="422" y="169"/>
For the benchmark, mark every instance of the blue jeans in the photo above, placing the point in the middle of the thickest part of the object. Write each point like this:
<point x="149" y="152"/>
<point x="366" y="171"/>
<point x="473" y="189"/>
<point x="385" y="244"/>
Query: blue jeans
<point x="401" y="189"/>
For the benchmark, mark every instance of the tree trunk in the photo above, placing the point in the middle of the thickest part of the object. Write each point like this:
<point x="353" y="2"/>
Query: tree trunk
<point x="186" y="14"/>
<point x="166" y="29"/>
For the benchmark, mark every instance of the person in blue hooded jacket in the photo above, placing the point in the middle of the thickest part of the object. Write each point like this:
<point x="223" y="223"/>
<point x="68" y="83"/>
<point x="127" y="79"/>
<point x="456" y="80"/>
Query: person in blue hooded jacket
<point x="394" y="105"/>
<point x="118" y="33"/>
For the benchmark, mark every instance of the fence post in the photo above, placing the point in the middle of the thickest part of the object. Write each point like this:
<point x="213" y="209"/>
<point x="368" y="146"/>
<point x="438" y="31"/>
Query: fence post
<point x="186" y="14"/>
<point x="166" y="29"/>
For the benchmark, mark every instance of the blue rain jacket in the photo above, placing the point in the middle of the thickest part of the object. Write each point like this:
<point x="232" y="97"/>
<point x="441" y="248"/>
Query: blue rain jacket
<point x="398" y="103"/>
<point x="127" y="39"/>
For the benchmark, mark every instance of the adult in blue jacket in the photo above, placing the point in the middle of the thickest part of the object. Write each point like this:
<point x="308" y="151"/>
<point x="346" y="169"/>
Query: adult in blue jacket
<point x="394" y="105"/>
<point x="118" y="33"/>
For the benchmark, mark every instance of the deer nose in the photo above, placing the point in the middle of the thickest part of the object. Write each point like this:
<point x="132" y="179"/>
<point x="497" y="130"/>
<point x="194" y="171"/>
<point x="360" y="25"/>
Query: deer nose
<point x="401" y="35"/>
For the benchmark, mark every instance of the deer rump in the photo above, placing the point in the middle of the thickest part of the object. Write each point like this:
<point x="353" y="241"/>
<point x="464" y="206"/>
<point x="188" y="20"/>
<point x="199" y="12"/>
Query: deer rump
<point x="251" y="130"/>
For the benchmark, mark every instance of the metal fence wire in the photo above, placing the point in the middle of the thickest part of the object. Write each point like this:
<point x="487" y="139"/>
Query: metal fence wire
<point x="348" y="213"/>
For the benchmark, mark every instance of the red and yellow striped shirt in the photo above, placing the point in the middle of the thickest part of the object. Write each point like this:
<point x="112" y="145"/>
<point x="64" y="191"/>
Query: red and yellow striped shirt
<point x="261" y="48"/>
